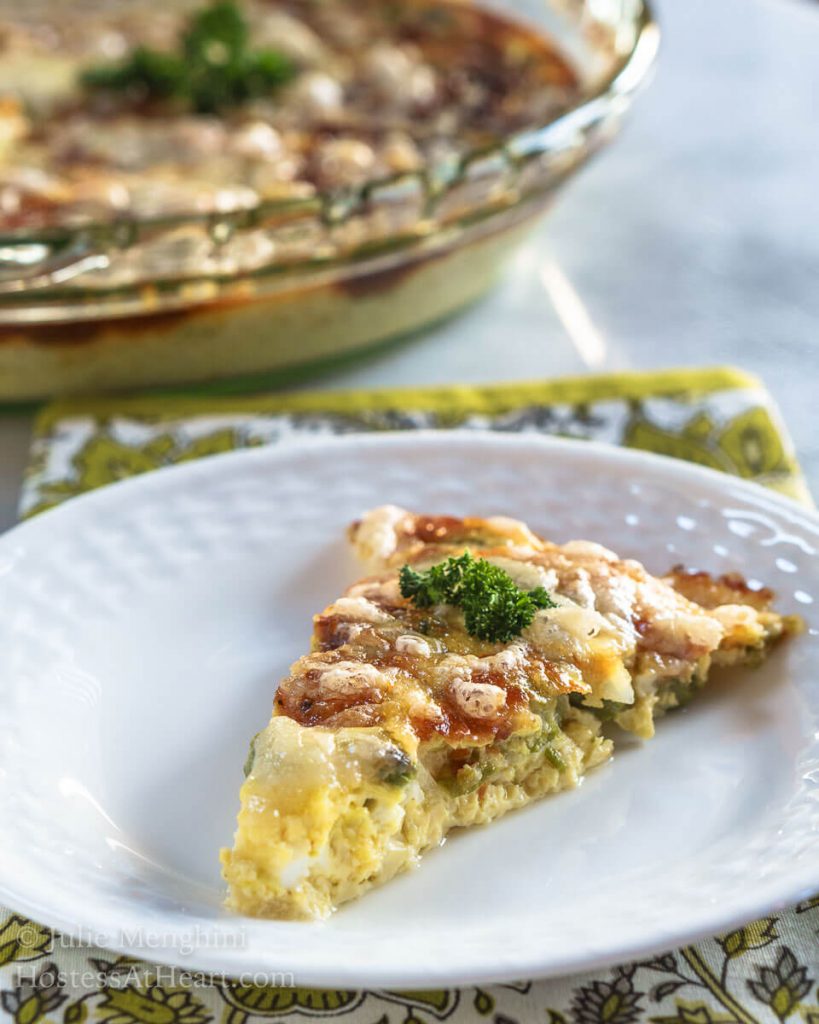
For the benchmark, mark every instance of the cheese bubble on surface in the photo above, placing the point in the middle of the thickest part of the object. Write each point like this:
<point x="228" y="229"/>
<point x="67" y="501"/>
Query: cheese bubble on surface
<point x="526" y="575"/>
<point x="376" y="538"/>
<point x="478" y="700"/>
<point x="358" y="608"/>
<point x="514" y="529"/>
<point x="417" y="646"/>
<point x="588" y="548"/>
<point x="347" y="677"/>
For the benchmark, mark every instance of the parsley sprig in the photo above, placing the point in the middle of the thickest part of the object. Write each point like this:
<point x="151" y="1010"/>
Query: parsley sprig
<point x="494" y="607"/>
<point x="213" y="68"/>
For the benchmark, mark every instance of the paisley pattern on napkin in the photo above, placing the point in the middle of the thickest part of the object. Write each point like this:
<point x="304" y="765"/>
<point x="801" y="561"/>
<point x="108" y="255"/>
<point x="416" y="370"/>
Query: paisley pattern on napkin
<point x="766" y="971"/>
<point x="722" y="419"/>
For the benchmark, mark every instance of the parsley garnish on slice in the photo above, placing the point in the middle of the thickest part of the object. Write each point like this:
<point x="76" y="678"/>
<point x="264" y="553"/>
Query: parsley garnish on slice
<point x="494" y="606"/>
<point x="213" y="68"/>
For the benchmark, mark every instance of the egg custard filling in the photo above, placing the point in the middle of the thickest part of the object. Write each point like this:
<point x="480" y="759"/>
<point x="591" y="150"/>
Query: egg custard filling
<point x="470" y="673"/>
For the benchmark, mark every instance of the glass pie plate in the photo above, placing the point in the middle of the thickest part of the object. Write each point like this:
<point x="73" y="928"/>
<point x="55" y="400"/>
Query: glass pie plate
<point x="249" y="294"/>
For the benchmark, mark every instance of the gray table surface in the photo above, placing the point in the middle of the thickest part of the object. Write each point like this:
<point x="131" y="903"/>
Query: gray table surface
<point x="693" y="240"/>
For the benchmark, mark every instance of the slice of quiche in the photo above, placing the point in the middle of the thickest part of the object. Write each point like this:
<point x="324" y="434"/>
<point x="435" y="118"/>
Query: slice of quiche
<point x="468" y="675"/>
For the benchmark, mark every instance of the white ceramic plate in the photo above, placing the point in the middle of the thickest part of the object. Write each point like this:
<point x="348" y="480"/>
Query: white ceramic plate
<point x="142" y="630"/>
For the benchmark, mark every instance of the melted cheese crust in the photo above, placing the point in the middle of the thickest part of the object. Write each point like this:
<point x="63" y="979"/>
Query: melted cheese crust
<point x="621" y="633"/>
<point x="399" y="725"/>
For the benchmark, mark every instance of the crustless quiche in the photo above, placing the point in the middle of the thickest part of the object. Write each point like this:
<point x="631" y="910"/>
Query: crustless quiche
<point x="469" y="674"/>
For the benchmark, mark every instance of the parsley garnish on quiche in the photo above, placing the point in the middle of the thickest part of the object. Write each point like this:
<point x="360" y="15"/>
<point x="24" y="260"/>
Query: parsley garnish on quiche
<point x="469" y="674"/>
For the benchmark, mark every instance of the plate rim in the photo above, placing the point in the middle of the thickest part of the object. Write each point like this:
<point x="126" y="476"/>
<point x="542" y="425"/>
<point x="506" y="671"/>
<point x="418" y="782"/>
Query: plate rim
<point x="724" y="483"/>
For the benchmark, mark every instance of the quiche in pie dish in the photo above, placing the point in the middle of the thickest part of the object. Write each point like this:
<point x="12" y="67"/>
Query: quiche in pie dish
<point x="470" y="673"/>
<point x="213" y="188"/>
<point x="222" y="188"/>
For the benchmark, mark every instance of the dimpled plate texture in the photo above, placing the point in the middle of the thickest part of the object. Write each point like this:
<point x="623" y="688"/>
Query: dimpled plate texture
<point x="143" y="629"/>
